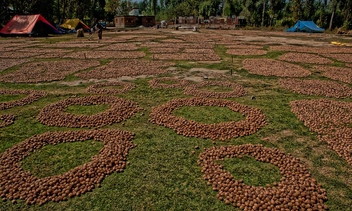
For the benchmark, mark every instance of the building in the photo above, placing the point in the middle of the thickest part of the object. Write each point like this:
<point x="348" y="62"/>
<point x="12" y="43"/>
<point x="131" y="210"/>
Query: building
<point x="134" y="20"/>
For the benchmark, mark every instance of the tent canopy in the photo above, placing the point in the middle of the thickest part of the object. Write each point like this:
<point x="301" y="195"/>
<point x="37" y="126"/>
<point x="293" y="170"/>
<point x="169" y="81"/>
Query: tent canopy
<point x="35" y="25"/>
<point x="74" y="24"/>
<point x="305" y="26"/>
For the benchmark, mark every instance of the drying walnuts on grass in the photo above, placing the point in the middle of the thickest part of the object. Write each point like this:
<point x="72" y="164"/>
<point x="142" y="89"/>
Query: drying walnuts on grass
<point x="120" y="68"/>
<point x="32" y="96"/>
<point x="55" y="115"/>
<point x="164" y="50"/>
<point x="16" y="183"/>
<point x="99" y="88"/>
<point x="7" y="119"/>
<point x="179" y="45"/>
<point x="305" y="58"/>
<point x="297" y="190"/>
<point x="254" y="119"/>
<point x="271" y="67"/>
<point x="331" y="120"/>
<point x="7" y="63"/>
<point x="242" y="46"/>
<point x="106" y="54"/>
<point x="120" y="47"/>
<point x="343" y="74"/>
<point x="18" y="55"/>
<point x="317" y="87"/>
<point x="188" y="56"/>
<point x="246" y="51"/>
<point x="342" y="57"/>
<point x="47" y="71"/>
<point x="199" y="50"/>
<point x="195" y="90"/>
<point x="294" y="48"/>
<point x="175" y="83"/>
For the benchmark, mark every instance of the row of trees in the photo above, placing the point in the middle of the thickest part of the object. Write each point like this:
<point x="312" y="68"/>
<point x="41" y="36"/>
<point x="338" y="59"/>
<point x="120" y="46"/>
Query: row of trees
<point x="277" y="13"/>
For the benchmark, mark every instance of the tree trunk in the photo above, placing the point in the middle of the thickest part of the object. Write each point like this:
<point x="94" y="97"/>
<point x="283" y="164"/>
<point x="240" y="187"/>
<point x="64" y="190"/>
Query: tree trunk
<point x="263" y="13"/>
<point x="331" y="19"/>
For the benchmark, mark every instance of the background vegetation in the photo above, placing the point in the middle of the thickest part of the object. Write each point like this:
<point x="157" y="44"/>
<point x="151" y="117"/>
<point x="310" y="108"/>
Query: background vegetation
<point x="328" y="14"/>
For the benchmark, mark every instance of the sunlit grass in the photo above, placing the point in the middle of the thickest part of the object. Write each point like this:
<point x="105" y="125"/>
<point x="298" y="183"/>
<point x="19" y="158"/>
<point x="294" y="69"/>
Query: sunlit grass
<point x="7" y="98"/>
<point x="251" y="171"/>
<point x="53" y="160"/>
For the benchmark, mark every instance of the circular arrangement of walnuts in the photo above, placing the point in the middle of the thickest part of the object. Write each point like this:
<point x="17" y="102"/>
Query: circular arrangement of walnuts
<point x="305" y="58"/>
<point x="16" y="183"/>
<point x="271" y="67"/>
<point x="98" y="88"/>
<point x="32" y="96"/>
<point x="317" y="87"/>
<point x="176" y="83"/>
<point x="194" y="89"/>
<point x="7" y="119"/>
<point x="162" y="115"/>
<point x="297" y="190"/>
<point x="331" y="120"/>
<point x="120" y="109"/>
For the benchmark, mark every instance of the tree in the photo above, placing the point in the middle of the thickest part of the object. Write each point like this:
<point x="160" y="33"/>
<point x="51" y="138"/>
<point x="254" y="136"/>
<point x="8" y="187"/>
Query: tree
<point x="5" y="12"/>
<point x="112" y="6"/>
<point x="333" y="6"/>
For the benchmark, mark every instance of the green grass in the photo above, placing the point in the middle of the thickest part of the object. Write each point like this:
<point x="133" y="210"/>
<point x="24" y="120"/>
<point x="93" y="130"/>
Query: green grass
<point x="208" y="114"/>
<point x="87" y="110"/>
<point x="7" y="98"/>
<point x="53" y="160"/>
<point x="163" y="173"/>
<point x="251" y="171"/>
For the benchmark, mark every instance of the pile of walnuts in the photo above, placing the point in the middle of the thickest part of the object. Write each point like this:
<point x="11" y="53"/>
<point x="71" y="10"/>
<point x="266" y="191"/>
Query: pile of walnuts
<point x="100" y="54"/>
<point x="343" y="74"/>
<point x="47" y="71"/>
<point x="194" y="89"/>
<point x="16" y="183"/>
<point x="254" y="119"/>
<point x="246" y="51"/>
<point x="55" y="115"/>
<point x="317" y="87"/>
<point x="331" y="120"/>
<point x="188" y="56"/>
<point x="7" y="119"/>
<point x="7" y="63"/>
<point x="305" y="58"/>
<point x="297" y="190"/>
<point x="342" y="57"/>
<point x="32" y="96"/>
<point x="271" y="67"/>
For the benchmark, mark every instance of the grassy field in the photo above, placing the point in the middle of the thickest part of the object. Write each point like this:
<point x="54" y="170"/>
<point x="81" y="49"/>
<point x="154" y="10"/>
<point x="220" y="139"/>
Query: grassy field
<point x="162" y="171"/>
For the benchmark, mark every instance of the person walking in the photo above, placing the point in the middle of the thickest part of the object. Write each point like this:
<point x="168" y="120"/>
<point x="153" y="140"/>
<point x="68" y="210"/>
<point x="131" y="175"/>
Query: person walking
<point x="100" y="30"/>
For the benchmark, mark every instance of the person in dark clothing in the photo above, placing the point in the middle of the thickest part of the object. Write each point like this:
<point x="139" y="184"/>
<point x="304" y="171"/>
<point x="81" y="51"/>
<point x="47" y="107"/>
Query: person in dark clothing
<point x="99" y="29"/>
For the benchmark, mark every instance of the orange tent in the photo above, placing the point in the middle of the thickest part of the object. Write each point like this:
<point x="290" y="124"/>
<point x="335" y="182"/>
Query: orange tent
<point x="28" y="25"/>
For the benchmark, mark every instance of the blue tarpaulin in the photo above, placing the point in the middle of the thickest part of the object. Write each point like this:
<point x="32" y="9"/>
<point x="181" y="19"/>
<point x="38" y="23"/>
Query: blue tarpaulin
<point x="305" y="26"/>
